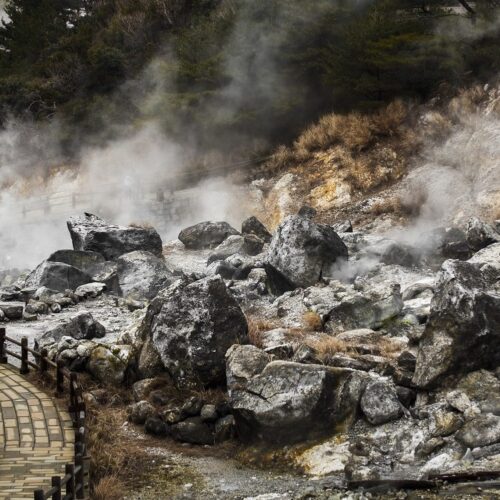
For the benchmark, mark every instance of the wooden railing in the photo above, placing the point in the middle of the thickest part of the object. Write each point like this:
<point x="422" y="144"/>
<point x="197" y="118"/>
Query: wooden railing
<point x="73" y="483"/>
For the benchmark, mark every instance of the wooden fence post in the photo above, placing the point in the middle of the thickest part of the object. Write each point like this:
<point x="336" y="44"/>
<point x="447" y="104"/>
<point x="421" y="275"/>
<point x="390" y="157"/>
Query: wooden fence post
<point x="59" y="378"/>
<point x="56" y="483"/>
<point x="3" y="354"/>
<point x="39" y="495"/>
<point x="70" y="485"/>
<point x="44" y="366"/>
<point x="24" y="356"/>
<point x="80" y="477"/>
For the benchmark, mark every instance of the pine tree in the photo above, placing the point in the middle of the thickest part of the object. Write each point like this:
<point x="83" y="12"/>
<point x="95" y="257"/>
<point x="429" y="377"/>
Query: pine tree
<point x="33" y="26"/>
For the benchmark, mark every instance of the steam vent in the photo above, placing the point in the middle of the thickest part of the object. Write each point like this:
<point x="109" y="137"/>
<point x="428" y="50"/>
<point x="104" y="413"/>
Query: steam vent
<point x="249" y="250"/>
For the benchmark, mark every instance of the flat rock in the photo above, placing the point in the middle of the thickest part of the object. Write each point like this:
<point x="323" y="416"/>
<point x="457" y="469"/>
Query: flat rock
<point x="91" y="233"/>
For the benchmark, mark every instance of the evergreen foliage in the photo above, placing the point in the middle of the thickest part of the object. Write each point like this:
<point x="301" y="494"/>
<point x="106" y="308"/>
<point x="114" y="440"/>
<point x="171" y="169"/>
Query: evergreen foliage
<point x="208" y="69"/>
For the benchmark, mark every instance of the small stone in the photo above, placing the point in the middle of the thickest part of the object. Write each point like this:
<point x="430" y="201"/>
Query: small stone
<point x="380" y="403"/>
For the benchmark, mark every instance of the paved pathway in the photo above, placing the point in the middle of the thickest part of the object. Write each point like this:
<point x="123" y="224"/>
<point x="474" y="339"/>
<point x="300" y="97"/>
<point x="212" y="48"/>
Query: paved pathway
<point x="36" y="437"/>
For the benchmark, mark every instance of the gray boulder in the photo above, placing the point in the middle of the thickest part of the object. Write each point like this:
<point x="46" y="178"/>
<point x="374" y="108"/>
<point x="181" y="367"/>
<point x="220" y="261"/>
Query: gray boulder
<point x="380" y="403"/>
<point x="252" y="225"/>
<point x="244" y="362"/>
<point x="301" y="253"/>
<point x="484" y="430"/>
<point x="12" y="310"/>
<point x="82" y="326"/>
<point x="91" y="233"/>
<point x="392" y="252"/>
<point x="369" y="307"/>
<point x="206" y="234"/>
<point x="85" y="261"/>
<point x="193" y="430"/>
<point x="463" y="330"/>
<point x="57" y="276"/>
<point x="488" y="260"/>
<point x="110" y="364"/>
<point x="142" y="275"/>
<point x="90" y="290"/>
<point x="479" y="234"/>
<point x="139" y="412"/>
<point x="231" y="245"/>
<point x="290" y="402"/>
<point x="192" y="325"/>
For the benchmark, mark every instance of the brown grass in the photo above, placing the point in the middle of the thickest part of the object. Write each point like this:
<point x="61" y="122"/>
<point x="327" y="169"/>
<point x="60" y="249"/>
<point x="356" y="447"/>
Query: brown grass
<point x="327" y="346"/>
<point x="312" y="321"/>
<point x="109" y="488"/>
<point x="256" y="327"/>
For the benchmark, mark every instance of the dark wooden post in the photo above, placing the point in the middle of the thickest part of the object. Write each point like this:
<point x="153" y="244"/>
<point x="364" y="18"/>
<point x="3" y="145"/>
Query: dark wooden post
<point x="39" y="495"/>
<point x="70" y="485"/>
<point x="3" y="354"/>
<point x="79" y="477"/>
<point x="56" y="483"/>
<point x="24" y="356"/>
<point x="59" y="378"/>
<point x="44" y="366"/>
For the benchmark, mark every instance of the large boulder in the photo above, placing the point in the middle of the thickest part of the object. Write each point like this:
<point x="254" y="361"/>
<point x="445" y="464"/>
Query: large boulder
<point x="302" y="252"/>
<point x="110" y="365"/>
<point x="463" y="330"/>
<point x="291" y="402"/>
<point x="206" y="234"/>
<point x="85" y="261"/>
<point x="91" y="233"/>
<point x="367" y="306"/>
<point x="252" y="225"/>
<point x="57" y="276"/>
<point x="244" y="362"/>
<point x="82" y="326"/>
<point x="142" y="274"/>
<point x="12" y="310"/>
<point x="480" y="234"/>
<point x="192" y="325"/>
<point x="488" y="260"/>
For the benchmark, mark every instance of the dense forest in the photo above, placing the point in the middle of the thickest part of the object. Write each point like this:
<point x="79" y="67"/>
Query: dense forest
<point x="217" y="72"/>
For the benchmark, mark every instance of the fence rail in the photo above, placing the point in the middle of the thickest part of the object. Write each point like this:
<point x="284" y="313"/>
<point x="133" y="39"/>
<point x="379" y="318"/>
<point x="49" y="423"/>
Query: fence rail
<point x="74" y="481"/>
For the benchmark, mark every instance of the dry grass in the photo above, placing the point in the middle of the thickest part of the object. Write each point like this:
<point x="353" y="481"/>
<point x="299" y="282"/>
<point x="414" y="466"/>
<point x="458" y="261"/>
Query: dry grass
<point x="109" y="488"/>
<point x="256" y="327"/>
<point x="312" y="321"/>
<point x="327" y="346"/>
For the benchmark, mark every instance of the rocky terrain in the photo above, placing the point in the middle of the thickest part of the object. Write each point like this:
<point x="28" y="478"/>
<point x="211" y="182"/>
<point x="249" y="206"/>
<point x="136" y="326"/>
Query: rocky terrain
<point x="340" y="354"/>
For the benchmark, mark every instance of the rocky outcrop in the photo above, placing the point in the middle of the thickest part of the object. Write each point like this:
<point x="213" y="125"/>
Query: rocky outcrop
<point x="206" y="234"/>
<point x="302" y="252"/>
<point x="142" y="275"/>
<point x="57" y="276"/>
<point x="191" y="326"/>
<point x="463" y="331"/>
<point x="91" y="233"/>
<point x="290" y="402"/>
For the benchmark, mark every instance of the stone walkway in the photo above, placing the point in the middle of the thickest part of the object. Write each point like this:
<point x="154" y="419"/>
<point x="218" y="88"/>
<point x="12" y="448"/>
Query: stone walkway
<point x="36" y="437"/>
